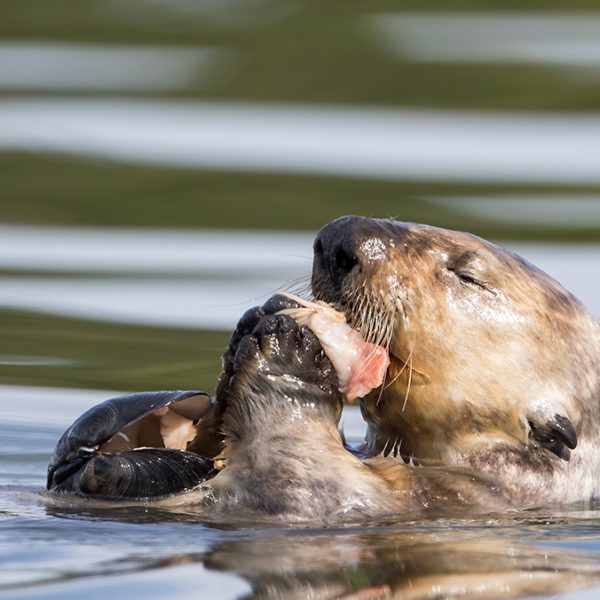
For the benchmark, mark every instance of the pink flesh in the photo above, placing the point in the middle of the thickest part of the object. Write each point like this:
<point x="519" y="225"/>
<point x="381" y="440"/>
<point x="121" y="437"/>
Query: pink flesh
<point x="360" y="366"/>
<point x="162" y="428"/>
<point x="175" y="430"/>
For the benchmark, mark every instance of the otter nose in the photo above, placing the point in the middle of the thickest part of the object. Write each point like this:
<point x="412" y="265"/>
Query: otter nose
<point x="336" y="247"/>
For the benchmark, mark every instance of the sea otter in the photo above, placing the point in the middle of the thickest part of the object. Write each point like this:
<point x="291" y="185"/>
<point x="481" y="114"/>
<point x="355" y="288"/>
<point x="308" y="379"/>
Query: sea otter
<point x="489" y="401"/>
<point x="494" y="365"/>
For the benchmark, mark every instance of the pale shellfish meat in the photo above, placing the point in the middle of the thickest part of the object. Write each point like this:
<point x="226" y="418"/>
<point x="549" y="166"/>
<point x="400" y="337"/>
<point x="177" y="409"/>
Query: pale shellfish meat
<point x="360" y="365"/>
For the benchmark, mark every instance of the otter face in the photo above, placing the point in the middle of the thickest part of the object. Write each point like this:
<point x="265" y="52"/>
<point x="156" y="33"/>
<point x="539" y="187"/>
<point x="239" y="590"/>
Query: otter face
<point x="480" y="340"/>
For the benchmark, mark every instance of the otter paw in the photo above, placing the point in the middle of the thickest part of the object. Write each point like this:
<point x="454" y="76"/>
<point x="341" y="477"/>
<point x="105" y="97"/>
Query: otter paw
<point x="248" y="321"/>
<point x="209" y="440"/>
<point x="278" y="349"/>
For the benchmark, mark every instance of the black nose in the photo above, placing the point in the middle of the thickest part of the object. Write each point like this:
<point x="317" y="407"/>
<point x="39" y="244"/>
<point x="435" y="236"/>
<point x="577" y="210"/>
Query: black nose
<point x="336" y="249"/>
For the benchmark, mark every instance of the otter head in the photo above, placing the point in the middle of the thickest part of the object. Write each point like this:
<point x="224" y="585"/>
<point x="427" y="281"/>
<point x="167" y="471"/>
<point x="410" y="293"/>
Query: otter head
<point x="483" y="345"/>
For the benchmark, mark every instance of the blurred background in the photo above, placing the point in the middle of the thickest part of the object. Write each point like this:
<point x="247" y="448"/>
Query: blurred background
<point x="166" y="163"/>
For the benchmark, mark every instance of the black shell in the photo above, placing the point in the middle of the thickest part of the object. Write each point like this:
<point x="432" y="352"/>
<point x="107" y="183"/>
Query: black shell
<point x="77" y="466"/>
<point x="137" y="474"/>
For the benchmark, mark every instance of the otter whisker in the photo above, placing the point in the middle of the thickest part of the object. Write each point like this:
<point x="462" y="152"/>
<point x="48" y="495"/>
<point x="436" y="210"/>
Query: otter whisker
<point x="299" y="286"/>
<point x="302" y="301"/>
<point x="385" y="452"/>
<point x="374" y="332"/>
<point x="387" y="328"/>
<point x="380" y="336"/>
<point x="396" y="447"/>
<point x="378" y="327"/>
<point x="366" y="321"/>
<point x="387" y="346"/>
<point x="405" y="364"/>
<point x="409" y="382"/>
<point x="395" y="378"/>
<point x="400" y="309"/>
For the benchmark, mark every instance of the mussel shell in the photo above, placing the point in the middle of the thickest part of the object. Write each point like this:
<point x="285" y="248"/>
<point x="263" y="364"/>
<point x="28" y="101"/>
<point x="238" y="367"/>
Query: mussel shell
<point x="80" y="442"/>
<point x="138" y="474"/>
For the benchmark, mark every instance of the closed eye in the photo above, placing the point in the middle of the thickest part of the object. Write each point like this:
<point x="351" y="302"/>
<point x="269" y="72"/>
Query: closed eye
<point x="468" y="279"/>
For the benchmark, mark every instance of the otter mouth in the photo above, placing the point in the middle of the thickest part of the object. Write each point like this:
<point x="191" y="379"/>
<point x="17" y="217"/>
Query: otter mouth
<point x="350" y="273"/>
<point x="377" y="327"/>
<point x="376" y="321"/>
<point x="347" y="274"/>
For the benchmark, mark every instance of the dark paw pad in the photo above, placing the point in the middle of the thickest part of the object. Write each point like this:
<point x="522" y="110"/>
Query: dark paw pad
<point x="252" y="317"/>
<point x="276" y="337"/>
<point x="245" y="326"/>
<point x="288" y="349"/>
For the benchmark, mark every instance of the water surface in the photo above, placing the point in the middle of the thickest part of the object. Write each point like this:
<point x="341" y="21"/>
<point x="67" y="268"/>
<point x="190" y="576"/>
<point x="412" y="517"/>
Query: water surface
<point x="142" y="551"/>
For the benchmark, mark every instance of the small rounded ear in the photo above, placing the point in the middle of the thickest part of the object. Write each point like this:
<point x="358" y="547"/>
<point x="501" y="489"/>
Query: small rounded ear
<point x="557" y="435"/>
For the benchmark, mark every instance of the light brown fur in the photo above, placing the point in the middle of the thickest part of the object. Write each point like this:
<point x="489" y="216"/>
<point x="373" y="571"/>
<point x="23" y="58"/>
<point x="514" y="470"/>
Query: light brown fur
<point x="486" y="351"/>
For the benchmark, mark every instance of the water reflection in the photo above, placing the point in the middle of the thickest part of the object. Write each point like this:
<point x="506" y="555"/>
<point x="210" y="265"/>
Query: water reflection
<point x="398" y="564"/>
<point x="318" y="140"/>
<point x="51" y="66"/>
<point x="417" y="560"/>
<point x="560" y="40"/>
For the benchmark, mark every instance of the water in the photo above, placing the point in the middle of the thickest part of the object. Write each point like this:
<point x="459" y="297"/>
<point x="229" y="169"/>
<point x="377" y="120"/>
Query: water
<point x="417" y="145"/>
<point x="165" y="165"/>
<point x="49" y="551"/>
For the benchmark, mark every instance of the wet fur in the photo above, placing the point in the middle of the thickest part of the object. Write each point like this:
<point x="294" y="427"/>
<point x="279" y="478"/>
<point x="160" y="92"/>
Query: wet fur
<point x="282" y="455"/>
<point x="491" y="399"/>
<point x="283" y="458"/>
<point x="494" y="364"/>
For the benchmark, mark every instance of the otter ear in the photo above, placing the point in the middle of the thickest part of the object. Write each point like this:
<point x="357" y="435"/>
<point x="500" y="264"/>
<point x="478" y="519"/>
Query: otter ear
<point x="557" y="435"/>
